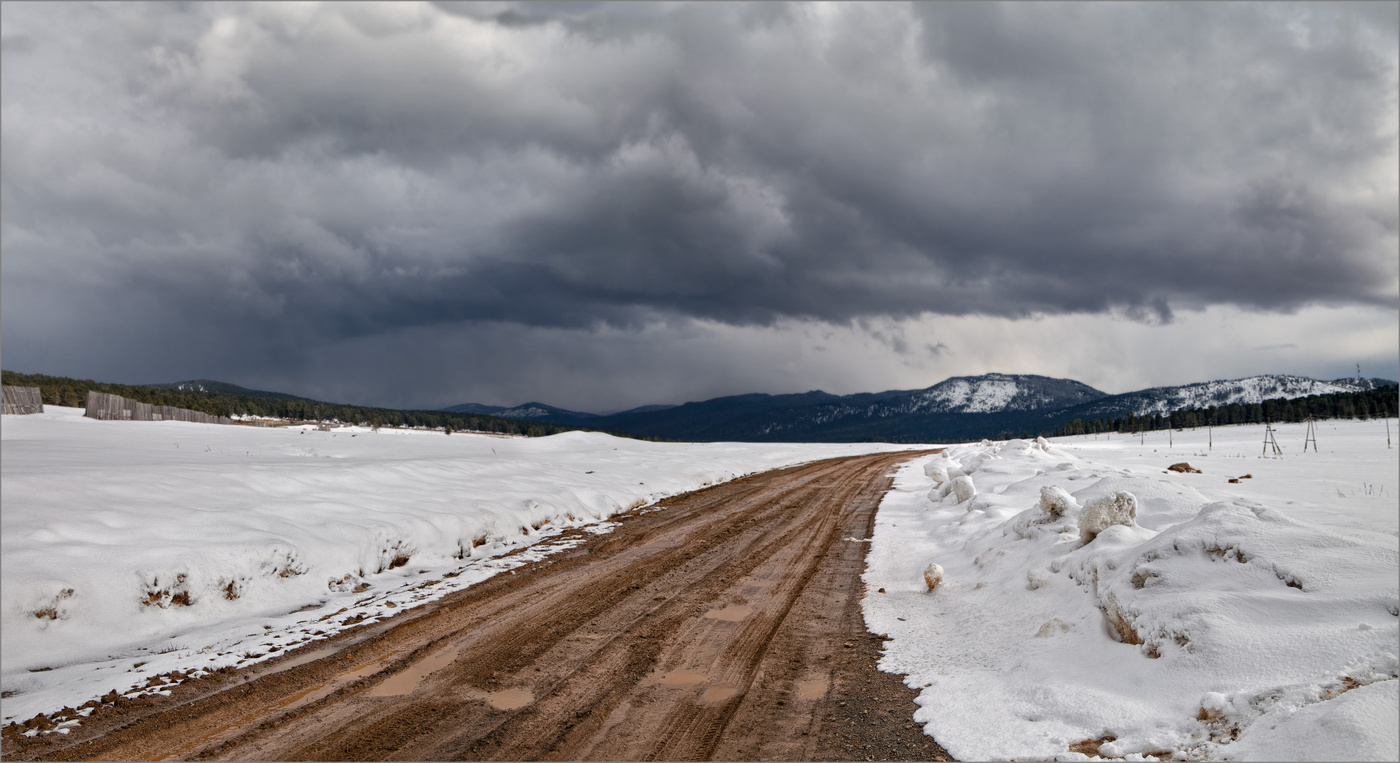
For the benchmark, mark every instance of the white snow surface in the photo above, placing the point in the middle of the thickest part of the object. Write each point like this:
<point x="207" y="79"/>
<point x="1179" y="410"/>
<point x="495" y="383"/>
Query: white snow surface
<point x="132" y="549"/>
<point x="1267" y="610"/>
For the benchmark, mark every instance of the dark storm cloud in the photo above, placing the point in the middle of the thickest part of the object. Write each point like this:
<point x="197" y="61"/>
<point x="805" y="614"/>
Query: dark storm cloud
<point x="261" y="178"/>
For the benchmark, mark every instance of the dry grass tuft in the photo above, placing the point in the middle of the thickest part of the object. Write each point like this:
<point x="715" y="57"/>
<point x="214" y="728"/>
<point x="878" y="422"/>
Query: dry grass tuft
<point x="1091" y="747"/>
<point x="173" y="595"/>
<point x="51" y="612"/>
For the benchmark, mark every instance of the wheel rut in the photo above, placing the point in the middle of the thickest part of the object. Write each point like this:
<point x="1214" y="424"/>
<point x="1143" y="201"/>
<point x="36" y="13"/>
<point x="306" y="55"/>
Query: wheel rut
<point x="717" y="628"/>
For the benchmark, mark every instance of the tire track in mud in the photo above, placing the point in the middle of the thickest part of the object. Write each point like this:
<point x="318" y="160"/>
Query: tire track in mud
<point x="717" y="627"/>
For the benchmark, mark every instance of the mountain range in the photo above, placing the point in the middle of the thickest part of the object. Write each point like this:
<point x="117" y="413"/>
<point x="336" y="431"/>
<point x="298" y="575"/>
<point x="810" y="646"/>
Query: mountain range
<point x="964" y="406"/>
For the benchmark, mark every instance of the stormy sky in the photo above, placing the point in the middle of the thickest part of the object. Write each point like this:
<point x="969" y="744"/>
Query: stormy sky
<point x="602" y="206"/>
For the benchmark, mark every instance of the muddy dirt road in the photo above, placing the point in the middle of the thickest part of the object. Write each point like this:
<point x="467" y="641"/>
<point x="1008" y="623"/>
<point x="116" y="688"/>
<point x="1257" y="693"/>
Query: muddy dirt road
<point x="726" y="626"/>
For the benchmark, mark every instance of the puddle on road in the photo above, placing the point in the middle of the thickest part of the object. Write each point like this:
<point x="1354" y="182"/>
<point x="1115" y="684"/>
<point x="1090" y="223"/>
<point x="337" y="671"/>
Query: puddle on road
<point x="689" y="679"/>
<point x="510" y="699"/>
<point x="730" y="614"/>
<point x="408" y="680"/>
<point x="506" y="699"/>
<point x="681" y="679"/>
<point x="405" y="681"/>
<point x="718" y="693"/>
<point x="813" y="688"/>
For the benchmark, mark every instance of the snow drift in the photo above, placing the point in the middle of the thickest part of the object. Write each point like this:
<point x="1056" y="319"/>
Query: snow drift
<point x="1146" y="612"/>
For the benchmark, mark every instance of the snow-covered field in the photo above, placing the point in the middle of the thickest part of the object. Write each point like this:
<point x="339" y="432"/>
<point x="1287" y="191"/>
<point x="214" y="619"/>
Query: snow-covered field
<point x="133" y="549"/>
<point x="1254" y="620"/>
<point x="1266" y="610"/>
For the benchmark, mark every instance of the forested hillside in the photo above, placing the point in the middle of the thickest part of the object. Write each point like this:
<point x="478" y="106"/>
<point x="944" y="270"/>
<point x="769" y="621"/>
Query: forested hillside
<point x="1374" y="403"/>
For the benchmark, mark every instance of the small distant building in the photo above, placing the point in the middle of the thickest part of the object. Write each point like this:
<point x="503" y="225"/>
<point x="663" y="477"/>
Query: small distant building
<point x="22" y="400"/>
<point x="107" y="407"/>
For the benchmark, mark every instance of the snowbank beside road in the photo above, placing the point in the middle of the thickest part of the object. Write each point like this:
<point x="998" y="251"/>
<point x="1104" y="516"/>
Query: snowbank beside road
<point x="133" y="549"/>
<point x="1204" y="619"/>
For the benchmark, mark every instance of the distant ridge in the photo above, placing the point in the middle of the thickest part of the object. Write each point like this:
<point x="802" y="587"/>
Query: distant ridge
<point x="1246" y="391"/>
<point x="222" y="388"/>
<point x="962" y="406"/>
<point x="957" y="409"/>
<point x="643" y="409"/>
<point x="476" y="408"/>
<point x="199" y="395"/>
<point x="527" y="411"/>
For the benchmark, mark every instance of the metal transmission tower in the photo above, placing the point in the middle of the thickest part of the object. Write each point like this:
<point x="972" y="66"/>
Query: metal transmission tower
<point x="1311" y="436"/>
<point x="1270" y="441"/>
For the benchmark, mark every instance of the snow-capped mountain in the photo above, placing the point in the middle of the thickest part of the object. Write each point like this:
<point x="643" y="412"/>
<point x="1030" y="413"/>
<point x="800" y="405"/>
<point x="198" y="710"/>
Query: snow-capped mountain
<point x="989" y="393"/>
<point x="887" y="412"/>
<point x="1246" y="391"/>
<point x="532" y="411"/>
<point x="542" y="411"/>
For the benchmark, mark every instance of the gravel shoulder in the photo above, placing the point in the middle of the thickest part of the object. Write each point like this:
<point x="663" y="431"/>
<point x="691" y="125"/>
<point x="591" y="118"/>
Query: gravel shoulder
<point x="727" y="626"/>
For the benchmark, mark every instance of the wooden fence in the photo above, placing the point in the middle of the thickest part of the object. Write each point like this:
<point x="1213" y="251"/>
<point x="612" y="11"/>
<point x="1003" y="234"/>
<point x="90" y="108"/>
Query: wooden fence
<point x="21" y="400"/>
<point x="101" y="405"/>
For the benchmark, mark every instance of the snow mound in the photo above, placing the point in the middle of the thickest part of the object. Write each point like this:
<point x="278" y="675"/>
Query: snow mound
<point x="1201" y="622"/>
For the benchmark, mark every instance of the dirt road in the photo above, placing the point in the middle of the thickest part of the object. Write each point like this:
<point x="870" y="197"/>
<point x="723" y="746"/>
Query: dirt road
<point x="726" y="626"/>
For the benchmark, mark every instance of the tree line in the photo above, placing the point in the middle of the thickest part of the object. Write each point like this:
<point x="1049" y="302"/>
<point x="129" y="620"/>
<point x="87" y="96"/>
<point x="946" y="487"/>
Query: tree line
<point x="1381" y="402"/>
<point x="61" y="390"/>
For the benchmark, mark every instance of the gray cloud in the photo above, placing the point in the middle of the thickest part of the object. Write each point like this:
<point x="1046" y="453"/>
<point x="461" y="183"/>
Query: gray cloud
<point x="262" y="179"/>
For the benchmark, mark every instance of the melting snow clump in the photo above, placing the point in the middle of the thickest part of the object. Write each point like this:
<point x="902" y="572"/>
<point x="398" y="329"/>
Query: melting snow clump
<point x="1101" y="513"/>
<point x="963" y="488"/>
<point x="1055" y="502"/>
<point x="933" y="575"/>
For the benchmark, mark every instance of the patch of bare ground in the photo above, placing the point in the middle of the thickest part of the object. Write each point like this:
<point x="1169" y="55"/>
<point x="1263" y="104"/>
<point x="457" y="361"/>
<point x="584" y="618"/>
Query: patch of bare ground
<point x="727" y="626"/>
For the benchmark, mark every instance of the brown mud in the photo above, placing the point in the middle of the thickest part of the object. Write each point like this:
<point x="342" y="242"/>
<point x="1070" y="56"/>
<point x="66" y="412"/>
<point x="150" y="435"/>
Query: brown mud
<point x="727" y="626"/>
